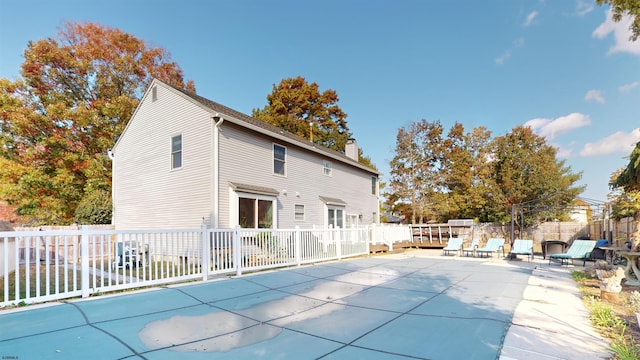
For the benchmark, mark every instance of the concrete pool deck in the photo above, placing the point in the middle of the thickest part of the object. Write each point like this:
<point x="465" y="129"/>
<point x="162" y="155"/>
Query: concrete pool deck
<point x="414" y="305"/>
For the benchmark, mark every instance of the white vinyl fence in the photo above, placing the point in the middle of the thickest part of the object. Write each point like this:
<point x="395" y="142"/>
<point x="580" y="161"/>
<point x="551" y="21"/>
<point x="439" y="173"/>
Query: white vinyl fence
<point x="388" y="234"/>
<point x="38" y="266"/>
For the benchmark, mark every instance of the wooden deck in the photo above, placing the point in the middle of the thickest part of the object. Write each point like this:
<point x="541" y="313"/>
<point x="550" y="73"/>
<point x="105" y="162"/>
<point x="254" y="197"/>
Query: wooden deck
<point x="428" y="236"/>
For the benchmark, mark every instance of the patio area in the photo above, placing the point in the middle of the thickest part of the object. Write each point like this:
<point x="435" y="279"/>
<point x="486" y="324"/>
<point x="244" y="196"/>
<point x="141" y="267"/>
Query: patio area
<point x="416" y="304"/>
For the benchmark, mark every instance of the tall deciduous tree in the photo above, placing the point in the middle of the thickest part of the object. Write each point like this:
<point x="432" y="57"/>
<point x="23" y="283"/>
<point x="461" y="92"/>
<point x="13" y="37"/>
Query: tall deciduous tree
<point x="415" y="176"/>
<point x="467" y="172"/>
<point x="75" y="97"/>
<point x="301" y="109"/>
<point x="527" y="174"/>
<point x="470" y="175"/>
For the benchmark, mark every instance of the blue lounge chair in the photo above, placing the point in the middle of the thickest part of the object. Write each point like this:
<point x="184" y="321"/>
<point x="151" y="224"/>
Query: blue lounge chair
<point x="493" y="245"/>
<point x="579" y="249"/>
<point x="472" y="248"/>
<point x="454" y="244"/>
<point x="522" y="247"/>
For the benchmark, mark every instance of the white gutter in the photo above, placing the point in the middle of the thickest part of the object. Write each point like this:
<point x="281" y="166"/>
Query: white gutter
<point x="216" y="171"/>
<point x="112" y="157"/>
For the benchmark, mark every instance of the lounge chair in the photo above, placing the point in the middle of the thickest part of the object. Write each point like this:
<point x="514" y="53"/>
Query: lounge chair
<point x="579" y="249"/>
<point x="521" y="247"/>
<point x="454" y="244"/>
<point x="472" y="248"/>
<point x="493" y="245"/>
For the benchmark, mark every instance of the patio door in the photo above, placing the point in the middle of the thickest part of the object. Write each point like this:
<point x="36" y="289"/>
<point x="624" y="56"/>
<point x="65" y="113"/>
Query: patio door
<point x="255" y="212"/>
<point x="335" y="217"/>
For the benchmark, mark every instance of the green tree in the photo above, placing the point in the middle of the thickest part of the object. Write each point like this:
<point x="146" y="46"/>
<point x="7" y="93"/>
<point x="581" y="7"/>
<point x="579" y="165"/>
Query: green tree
<point x="415" y="176"/>
<point x="94" y="208"/>
<point x="626" y="7"/>
<point x="466" y="172"/>
<point x="301" y="109"/>
<point x="629" y="178"/>
<point x="528" y="175"/>
<point x="365" y="160"/>
<point x="627" y="184"/>
<point x="470" y="175"/>
<point x="75" y="96"/>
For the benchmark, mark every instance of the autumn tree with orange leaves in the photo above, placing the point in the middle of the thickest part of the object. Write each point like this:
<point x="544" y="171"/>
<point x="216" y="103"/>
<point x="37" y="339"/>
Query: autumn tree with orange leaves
<point x="58" y="120"/>
<point x="301" y="109"/>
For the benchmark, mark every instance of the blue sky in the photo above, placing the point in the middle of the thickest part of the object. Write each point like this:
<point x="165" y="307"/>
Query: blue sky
<point x="562" y="67"/>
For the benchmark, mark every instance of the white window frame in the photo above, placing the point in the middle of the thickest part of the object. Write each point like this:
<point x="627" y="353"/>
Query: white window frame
<point x="175" y="153"/>
<point x="352" y="220"/>
<point x="327" y="168"/>
<point x="374" y="185"/>
<point x="284" y="161"/>
<point x="338" y="220"/>
<point x="298" y="215"/>
<point x="235" y="206"/>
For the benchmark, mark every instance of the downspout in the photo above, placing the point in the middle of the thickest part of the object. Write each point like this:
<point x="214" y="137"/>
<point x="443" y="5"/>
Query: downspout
<point x="216" y="171"/>
<point x="112" y="157"/>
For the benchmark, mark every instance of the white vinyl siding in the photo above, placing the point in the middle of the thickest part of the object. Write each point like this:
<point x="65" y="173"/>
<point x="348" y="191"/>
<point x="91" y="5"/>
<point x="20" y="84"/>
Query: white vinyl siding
<point x="247" y="158"/>
<point x="147" y="194"/>
<point x="244" y="158"/>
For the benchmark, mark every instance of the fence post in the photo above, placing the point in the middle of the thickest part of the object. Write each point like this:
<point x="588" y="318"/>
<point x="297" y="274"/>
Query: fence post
<point x="206" y="251"/>
<point x="338" y="239"/>
<point x="84" y="261"/>
<point x="370" y="234"/>
<point x="237" y="250"/>
<point x="297" y="246"/>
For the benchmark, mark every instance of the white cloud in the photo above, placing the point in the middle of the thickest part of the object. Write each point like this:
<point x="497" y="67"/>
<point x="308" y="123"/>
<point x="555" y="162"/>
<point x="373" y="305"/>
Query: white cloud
<point x="502" y="58"/>
<point x="594" y="95"/>
<point x="626" y="88"/>
<point x="618" y="142"/>
<point x="563" y="152"/>
<point x="621" y="33"/>
<point x="550" y="128"/>
<point x="532" y="15"/>
<point x="584" y="7"/>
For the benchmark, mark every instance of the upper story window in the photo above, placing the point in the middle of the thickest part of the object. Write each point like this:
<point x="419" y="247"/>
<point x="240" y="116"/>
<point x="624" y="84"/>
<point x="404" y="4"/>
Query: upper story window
<point x="176" y="152"/>
<point x="327" y="167"/>
<point x="299" y="212"/>
<point x="279" y="158"/>
<point x="374" y="185"/>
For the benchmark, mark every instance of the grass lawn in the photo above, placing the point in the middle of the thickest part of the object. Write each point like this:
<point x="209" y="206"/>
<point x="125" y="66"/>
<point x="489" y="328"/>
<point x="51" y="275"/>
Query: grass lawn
<point x="54" y="281"/>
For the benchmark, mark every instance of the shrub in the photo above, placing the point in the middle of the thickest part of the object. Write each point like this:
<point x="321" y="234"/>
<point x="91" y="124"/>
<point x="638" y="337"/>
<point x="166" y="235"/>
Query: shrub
<point x="602" y="315"/>
<point x="94" y="208"/>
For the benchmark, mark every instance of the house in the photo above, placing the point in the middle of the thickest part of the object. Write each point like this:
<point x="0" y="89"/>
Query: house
<point x="579" y="213"/>
<point x="183" y="160"/>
